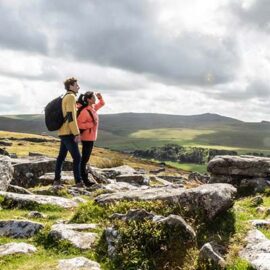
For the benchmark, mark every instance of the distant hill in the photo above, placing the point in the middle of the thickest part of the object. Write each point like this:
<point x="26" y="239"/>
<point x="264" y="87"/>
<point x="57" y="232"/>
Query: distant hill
<point x="130" y="131"/>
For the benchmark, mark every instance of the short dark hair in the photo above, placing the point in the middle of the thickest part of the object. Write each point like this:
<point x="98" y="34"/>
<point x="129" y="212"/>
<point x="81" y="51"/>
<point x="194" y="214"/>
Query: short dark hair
<point x="70" y="81"/>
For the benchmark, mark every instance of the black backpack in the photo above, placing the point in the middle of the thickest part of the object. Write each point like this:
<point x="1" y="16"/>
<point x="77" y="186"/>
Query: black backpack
<point x="54" y="118"/>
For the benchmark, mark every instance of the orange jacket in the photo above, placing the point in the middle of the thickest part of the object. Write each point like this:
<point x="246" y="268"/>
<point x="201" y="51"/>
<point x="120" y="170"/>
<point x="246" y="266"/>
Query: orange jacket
<point x="88" y="123"/>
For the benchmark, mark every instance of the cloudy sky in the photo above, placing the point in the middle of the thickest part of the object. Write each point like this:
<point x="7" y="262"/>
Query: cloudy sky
<point x="159" y="56"/>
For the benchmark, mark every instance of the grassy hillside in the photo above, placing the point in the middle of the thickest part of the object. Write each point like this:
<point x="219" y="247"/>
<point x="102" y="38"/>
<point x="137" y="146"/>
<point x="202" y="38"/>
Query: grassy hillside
<point x="131" y="131"/>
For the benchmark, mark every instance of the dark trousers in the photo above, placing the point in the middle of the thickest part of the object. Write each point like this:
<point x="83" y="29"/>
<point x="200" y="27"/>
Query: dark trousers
<point x="68" y="145"/>
<point x="87" y="147"/>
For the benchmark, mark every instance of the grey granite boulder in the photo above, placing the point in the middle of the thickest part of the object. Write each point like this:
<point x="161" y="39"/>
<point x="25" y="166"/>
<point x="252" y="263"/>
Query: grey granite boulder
<point x="24" y="201"/>
<point x="16" y="248"/>
<point x="79" y="263"/>
<point x="19" y="228"/>
<point x="257" y="250"/>
<point x="133" y="178"/>
<point x="210" y="254"/>
<point x="242" y="171"/>
<point x="73" y="233"/>
<point x="210" y="199"/>
<point x="28" y="170"/>
<point x="6" y="172"/>
<point x="240" y="165"/>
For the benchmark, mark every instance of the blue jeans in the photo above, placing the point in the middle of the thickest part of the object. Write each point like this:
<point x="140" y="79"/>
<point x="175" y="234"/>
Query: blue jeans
<point x="68" y="145"/>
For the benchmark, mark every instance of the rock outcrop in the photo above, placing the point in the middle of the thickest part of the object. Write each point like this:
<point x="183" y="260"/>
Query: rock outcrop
<point x="28" y="170"/>
<point x="240" y="171"/>
<point x="6" y="172"/>
<point x="211" y="199"/>
<point x="12" y="200"/>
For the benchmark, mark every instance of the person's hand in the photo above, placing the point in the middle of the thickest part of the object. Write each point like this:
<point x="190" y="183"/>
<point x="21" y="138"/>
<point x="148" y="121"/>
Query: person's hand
<point x="98" y="95"/>
<point x="77" y="139"/>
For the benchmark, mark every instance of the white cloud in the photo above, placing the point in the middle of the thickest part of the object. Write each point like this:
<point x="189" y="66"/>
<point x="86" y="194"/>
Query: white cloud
<point x="172" y="56"/>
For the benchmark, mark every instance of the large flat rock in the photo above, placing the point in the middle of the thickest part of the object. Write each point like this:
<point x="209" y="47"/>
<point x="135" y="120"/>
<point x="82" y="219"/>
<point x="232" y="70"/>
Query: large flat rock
<point x="6" y="172"/>
<point x="210" y="198"/>
<point x="74" y="234"/>
<point x="16" y="248"/>
<point x="25" y="200"/>
<point x="19" y="228"/>
<point x="240" y="165"/>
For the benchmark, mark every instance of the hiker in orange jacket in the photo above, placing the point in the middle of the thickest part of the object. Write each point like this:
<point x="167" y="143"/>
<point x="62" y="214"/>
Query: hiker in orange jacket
<point x="88" y="124"/>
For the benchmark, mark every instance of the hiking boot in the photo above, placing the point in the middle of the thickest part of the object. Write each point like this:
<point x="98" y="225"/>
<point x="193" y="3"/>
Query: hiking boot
<point x="88" y="183"/>
<point x="80" y="185"/>
<point x="57" y="183"/>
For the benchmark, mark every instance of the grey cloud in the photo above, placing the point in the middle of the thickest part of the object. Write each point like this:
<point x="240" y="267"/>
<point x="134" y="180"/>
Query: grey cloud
<point x="9" y="104"/>
<point x="257" y="89"/>
<point x="256" y="14"/>
<point x="16" y="33"/>
<point x="126" y="35"/>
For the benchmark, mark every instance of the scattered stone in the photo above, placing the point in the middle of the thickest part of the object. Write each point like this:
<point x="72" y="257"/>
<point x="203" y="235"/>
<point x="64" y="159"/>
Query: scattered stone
<point x="210" y="254"/>
<point x="175" y="221"/>
<point x="159" y="180"/>
<point x="112" y="173"/>
<point x="74" y="191"/>
<point x="173" y="179"/>
<point x="67" y="177"/>
<point x="69" y="232"/>
<point x="6" y="172"/>
<point x="159" y="170"/>
<point x="79" y="263"/>
<point x="212" y="199"/>
<point x="97" y="176"/>
<point x="259" y="223"/>
<point x="16" y="248"/>
<point x="120" y="186"/>
<point x="4" y="152"/>
<point x="36" y="214"/>
<point x="13" y="155"/>
<point x="79" y="200"/>
<point x="257" y="200"/>
<point x="112" y="239"/>
<point x="12" y="200"/>
<point x="257" y="250"/>
<point x="17" y="189"/>
<point x="261" y="209"/>
<point x="5" y="143"/>
<point x="204" y="178"/>
<point x="28" y="170"/>
<point x="133" y="178"/>
<point x="134" y="214"/>
<point x="19" y="228"/>
<point x="34" y="154"/>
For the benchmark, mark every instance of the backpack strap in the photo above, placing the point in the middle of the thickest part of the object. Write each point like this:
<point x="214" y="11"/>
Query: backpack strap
<point x="92" y="116"/>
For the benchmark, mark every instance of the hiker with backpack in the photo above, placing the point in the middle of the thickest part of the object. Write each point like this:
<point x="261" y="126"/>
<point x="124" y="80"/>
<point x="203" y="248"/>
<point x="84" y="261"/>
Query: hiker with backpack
<point x="88" y="122"/>
<point x="69" y="133"/>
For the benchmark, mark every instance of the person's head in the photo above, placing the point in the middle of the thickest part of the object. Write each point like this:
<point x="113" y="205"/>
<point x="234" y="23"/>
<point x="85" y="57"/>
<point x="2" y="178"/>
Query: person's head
<point x="90" y="97"/>
<point x="72" y="85"/>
